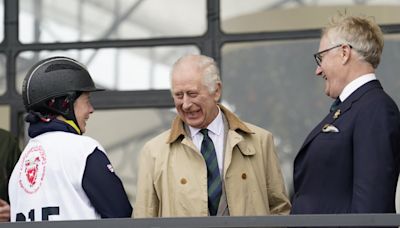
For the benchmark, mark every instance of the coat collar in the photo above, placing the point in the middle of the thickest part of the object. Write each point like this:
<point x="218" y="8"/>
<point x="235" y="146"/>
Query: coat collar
<point x="178" y="129"/>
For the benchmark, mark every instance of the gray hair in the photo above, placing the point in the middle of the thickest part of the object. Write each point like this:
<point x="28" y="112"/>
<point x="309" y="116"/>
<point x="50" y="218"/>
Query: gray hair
<point x="206" y="65"/>
<point x="362" y="33"/>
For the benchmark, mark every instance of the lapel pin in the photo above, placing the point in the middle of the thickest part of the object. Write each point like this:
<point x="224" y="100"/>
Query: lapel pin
<point x="337" y="114"/>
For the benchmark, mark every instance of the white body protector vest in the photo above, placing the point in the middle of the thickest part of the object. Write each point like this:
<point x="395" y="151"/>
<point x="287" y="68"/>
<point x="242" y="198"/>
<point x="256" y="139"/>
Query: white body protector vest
<point x="46" y="183"/>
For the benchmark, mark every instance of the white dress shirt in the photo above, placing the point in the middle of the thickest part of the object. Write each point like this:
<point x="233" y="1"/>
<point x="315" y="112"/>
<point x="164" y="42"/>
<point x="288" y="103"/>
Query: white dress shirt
<point x="355" y="84"/>
<point x="216" y="133"/>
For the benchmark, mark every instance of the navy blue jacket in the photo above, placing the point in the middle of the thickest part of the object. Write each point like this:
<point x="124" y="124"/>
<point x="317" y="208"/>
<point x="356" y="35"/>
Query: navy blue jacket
<point x="354" y="170"/>
<point x="103" y="188"/>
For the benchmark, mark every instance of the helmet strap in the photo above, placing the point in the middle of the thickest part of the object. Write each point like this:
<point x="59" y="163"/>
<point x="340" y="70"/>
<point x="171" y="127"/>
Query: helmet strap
<point x="64" y="106"/>
<point x="70" y="115"/>
<point x="72" y="124"/>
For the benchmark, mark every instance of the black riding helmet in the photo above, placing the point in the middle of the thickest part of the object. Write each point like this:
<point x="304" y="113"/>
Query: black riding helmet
<point x="52" y="85"/>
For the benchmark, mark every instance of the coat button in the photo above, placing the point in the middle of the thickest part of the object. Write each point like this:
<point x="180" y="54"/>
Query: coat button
<point x="244" y="176"/>
<point x="183" y="181"/>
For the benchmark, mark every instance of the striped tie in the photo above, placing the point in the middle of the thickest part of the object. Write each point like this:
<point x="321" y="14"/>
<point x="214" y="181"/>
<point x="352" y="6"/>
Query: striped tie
<point x="335" y="105"/>
<point x="214" y="185"/>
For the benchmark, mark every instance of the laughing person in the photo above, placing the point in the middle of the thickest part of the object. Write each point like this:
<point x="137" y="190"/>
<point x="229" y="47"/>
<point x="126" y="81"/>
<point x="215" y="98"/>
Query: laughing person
<point x="349" y="163"/>
<point x="210" y="162"/>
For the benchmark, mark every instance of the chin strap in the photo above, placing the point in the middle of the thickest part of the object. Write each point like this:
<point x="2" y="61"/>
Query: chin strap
<point x="64" y="106"/>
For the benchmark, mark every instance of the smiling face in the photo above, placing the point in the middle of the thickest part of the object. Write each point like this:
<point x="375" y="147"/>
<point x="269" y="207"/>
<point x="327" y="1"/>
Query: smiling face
<point x="83" y="108"/>
<point x="332" y="68"/>
<point x="195" y="105"/>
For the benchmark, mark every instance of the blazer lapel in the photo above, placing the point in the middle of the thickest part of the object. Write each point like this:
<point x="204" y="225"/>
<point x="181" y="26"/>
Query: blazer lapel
<point x="342" y="108"/>
<point x="327" y="120"/>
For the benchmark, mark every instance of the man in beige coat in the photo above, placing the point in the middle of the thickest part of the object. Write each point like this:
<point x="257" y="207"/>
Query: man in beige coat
<point x="172" y="180"/>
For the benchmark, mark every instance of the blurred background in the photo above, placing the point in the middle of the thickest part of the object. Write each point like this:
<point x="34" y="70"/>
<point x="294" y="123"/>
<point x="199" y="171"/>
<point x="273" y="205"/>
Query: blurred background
<point x="264" y="49"/>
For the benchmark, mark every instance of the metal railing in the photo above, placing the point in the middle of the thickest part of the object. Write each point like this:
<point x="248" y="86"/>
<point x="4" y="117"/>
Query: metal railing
<point x="337" y="220"/>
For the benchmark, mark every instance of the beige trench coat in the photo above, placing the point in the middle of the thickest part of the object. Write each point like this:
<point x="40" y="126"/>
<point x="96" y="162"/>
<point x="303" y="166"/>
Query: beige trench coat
<point x="172" y="179"/>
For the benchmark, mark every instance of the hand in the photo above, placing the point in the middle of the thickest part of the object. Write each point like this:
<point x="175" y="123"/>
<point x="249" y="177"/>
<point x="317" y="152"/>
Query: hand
<point x="4" y="211"/>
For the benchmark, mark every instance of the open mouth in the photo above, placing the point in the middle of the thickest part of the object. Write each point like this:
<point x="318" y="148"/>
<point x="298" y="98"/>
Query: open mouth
<point x="192" y="114"/>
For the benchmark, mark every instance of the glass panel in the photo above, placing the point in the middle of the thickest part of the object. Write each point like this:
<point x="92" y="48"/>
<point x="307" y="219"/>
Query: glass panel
<point x="46" y="21"/>
<point x="240" y="16"/>
<point x="5" y="117"/>
<point x="1" y="20"/>
<point x="389" y="68"/>
<point x="262" y="80"/>
<point x="117" y="69"/>
<point x="123" y="148"/>
<point x="3" y="78"/>
<point x="272" y="84"/>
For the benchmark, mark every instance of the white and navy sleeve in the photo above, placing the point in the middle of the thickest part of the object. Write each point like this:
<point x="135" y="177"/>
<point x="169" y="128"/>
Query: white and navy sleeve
<point x="104" y="188"/>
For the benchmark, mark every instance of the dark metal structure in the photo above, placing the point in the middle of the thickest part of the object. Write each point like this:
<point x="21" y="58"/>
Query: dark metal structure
<point x="349" y="220"/>
<point x="210" y="43"/>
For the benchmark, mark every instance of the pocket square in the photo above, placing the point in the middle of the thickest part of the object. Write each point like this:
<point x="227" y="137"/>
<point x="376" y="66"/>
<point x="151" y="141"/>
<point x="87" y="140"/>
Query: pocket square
<point x="329" y="128"/>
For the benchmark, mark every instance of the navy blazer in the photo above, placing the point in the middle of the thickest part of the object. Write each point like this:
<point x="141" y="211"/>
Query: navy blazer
<point x="354" y="170"/>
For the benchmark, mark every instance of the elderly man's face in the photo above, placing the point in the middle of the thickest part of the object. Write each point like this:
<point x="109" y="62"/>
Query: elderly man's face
<point x="195" y="105"/>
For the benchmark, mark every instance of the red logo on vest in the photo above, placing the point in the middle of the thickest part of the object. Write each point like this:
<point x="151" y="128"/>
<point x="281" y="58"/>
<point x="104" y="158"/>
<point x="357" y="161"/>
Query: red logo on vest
<point x="32" y="169"/>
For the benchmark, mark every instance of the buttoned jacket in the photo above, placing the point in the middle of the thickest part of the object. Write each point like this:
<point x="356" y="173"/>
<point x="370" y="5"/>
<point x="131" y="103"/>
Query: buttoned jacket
<point x="172" y="179"/>
<point x="350" y="162"/>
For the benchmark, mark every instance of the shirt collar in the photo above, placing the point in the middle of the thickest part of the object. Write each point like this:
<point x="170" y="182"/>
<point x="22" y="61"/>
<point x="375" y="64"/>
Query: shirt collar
<point x="234" y="124"/>
<point x="215" y="126"/>
<point x="355" y="84"/>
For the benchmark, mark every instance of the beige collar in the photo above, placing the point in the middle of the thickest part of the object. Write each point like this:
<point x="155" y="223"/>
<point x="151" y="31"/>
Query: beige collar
<point x="177" y="128"/>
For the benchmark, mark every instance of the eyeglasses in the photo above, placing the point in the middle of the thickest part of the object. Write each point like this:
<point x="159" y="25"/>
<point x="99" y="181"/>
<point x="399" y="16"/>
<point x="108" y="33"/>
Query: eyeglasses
<point x="318" y="55"/>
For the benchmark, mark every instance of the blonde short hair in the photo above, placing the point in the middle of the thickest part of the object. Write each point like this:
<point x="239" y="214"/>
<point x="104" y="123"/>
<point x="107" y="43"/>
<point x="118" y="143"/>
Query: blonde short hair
<point x="362" y="33"/>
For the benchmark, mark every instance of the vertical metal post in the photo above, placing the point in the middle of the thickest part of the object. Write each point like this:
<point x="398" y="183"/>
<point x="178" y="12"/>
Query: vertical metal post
<point x="11" y="45"/>
<point x="212" y="40"/>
